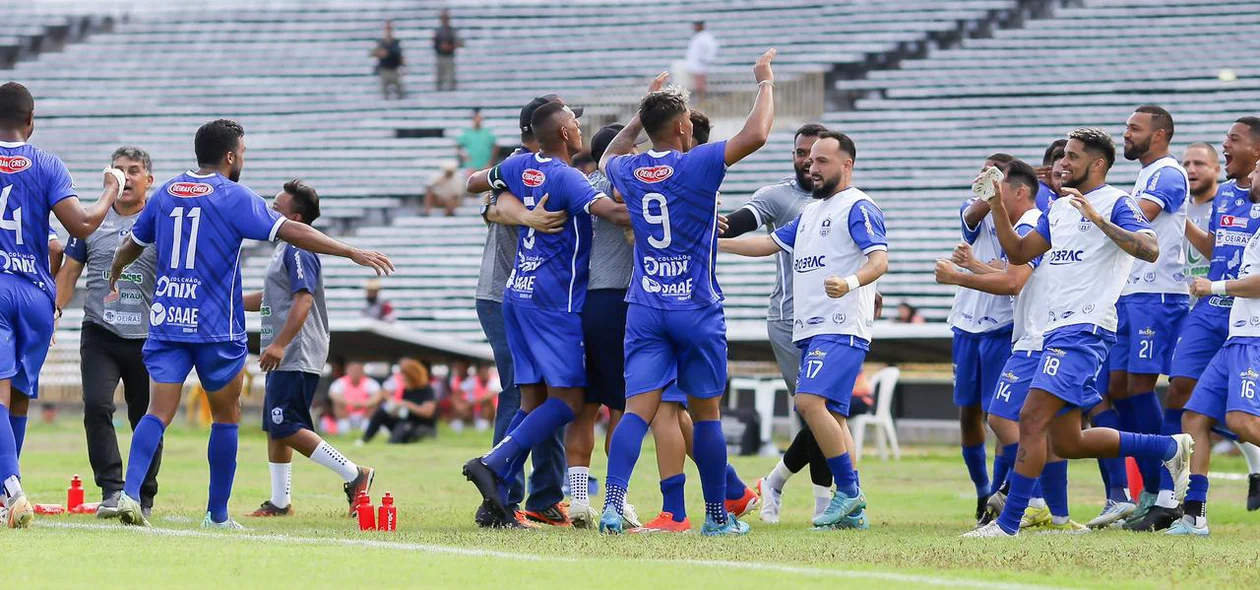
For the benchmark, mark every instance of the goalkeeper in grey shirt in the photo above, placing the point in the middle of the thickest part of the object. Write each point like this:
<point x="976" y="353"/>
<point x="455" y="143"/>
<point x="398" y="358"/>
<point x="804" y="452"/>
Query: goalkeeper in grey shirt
<point x="774" y="206"/>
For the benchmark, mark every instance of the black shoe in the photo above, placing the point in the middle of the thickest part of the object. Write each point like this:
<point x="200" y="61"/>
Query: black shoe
<point x="109" y="505"/>
<point x="488" y="485"/>
<point x="992" y="508"/>
<point x="508" y="521"/>
<point x="1157" y="518"/>
<point x="1253" y="492"/>
<point x="361" y="483"/>
<point x="485" y="516"/>
<point x="981" y="503"/>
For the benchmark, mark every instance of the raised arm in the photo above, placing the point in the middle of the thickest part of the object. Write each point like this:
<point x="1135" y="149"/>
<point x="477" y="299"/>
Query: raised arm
<point x="623" y="143"/>
<point x="312" y="240"/>
<point x="1202" y="240"/>
<point x="753" y="247"/>
<point x="1139" y="243"/>
<point x="612" y="211"/>
<point x="975" y="212"/>
<point x="479" y="182"/>
<point x="757" y="126"/>
<point x="1019" y="249"/>
<point x="81" y="221"/>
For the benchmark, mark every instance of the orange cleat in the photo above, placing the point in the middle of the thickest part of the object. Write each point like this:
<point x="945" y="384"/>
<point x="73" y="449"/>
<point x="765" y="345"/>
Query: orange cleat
<point x="523" y="520"/>
<point x="744" y="504"/>
<point x="664" y="523"/>
<point x="554" y="515"/>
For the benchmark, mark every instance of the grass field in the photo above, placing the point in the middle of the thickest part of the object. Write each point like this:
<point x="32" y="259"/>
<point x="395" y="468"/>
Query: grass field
<point x="918" y="507"/>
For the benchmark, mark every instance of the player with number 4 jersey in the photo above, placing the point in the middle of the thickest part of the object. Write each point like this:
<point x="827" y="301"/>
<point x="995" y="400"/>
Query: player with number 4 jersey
<point x="197" y="221"/>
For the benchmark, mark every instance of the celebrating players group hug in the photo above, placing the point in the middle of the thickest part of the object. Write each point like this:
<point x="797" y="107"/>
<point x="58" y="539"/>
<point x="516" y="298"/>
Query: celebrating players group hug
<point x="1074" y="297"/>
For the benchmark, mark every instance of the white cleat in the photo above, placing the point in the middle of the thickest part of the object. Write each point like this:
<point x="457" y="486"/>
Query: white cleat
<point x="771" y="502"/>
<point x="19" y="514"/>
<point x="1179" y="465"/>
<point x="583" y="516"/>
<point x="630" y="517"/>
<point x="989" y="530"/>
<point x="1112" y="513"/>
<point x="130" y="512"/>
<point x="228" y="524"/>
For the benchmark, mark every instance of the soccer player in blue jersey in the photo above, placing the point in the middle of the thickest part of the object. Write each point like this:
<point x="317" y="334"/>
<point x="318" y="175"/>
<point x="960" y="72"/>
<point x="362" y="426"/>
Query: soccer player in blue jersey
<point x="1048" y="181"/>
<point x="197" y="221"/>
<point x="545" y="295"/>
<point x="1234" y="221"/>
<point x="675" y="325"/>
<point x="33" y="184"/>
<point x="1089" y="256"/>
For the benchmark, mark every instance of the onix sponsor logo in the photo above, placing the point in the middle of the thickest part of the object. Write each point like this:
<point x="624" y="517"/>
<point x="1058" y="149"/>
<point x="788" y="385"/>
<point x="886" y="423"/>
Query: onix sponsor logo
<point x="533" y="177"/>
<point x="177" y="288"/>
<point x="189" y="189"/>
<point x="806" y="264"/>
<point x="653" y="174"/>
<point x="14" y="164"/>
<point x="18" y="262"/>
<point x="672" y="266"/>
<point x="1059" y="257"/>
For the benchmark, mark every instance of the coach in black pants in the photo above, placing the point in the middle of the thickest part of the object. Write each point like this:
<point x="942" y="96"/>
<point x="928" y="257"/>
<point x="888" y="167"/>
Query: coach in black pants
<point x="114" y="330"/>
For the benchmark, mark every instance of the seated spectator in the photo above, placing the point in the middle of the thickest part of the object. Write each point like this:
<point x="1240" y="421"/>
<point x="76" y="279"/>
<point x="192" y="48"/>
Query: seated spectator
<point x="908" y="314"/>
<point x="444" y="190"/>
<point x="481" y="392"/>
<point x="375" y="307"/>
<point x="454" y="405"/>
<point x="354" y="398"/>
<point x="410" y="412"/>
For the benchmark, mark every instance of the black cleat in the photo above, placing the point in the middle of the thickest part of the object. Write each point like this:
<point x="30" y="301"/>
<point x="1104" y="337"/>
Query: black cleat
<point x="992" y="508"/>
<point x="361" y="483"/>
<point x="1253" y="492"/>
<point x="1157" y="518"/>
<point x="488" y="485"/>
<point x="981" y="503"/>
<point x="485" y="516"/>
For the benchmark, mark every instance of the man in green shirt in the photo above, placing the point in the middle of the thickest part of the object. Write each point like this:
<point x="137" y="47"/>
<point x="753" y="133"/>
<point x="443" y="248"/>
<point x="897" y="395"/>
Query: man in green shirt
<point x="476" y="145"/>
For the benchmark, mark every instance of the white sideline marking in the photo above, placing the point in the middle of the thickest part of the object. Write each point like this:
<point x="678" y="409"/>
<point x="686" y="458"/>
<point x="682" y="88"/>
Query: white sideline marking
<point x="528" y="557"/>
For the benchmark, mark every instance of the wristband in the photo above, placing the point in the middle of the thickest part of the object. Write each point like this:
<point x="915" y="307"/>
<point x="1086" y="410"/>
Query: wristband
<point x="853" y="282"/>
<point x="1218" y="287"/>
<point x="764" y="82"/>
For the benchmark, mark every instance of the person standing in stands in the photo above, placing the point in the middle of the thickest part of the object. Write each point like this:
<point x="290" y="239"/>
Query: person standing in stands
<point x="702" y="52"/>
<point x="114" y="330"/>
<point x="476" y="144"/>
<point x="389" y="63"/>
<point x="445" y="42"/>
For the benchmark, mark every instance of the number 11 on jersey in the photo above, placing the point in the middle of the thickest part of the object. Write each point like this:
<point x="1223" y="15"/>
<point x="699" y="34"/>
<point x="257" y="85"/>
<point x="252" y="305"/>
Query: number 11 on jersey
<point x="194" y="216"/>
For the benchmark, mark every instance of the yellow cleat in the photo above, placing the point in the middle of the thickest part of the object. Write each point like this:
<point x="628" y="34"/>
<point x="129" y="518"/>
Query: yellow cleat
<point x="1035" y="517"/>
<point x="1071" y="527"/>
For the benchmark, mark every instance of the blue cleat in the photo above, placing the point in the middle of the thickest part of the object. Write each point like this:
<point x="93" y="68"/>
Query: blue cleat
<point x="856" y="521"/>
<point x="840" y="507"/>
<point x="611" y="522"/>
<point x="731" y="528"/>
<point x="1185" y="526"/>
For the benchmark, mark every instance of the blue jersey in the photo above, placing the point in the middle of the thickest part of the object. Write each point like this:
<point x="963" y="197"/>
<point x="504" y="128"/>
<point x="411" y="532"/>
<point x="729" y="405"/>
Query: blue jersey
<point x="197" y="224"/>
<point x="1234" y="219"/>
<point x="31" y="182"/>
<point x="672" y="199"/>
<point x="551" y="270"/>
<point x="1045" y="196"/>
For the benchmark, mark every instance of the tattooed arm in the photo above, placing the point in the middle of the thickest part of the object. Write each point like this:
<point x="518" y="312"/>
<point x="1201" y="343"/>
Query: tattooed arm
<point x="1140" y="244"/>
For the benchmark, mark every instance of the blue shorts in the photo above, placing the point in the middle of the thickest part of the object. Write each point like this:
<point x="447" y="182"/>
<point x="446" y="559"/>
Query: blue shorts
<point x="978" y="360"/>
<point x="217" y="363"/>
<point x="1071" y="358"/>
<point x="687" y="346"/>
<point x="1147" y="332"/>
<point x="830" y="365"/>
<point x="26" y="329"/>
<point x="1012" y="388"/>
<point x="1230" y="382"/>
<point x="674" y="394"/>
<point x="604" y="331"/>
<point x="546" y="345"/>
<point x="1202" y="336"/>
<point x="287" y="403"/>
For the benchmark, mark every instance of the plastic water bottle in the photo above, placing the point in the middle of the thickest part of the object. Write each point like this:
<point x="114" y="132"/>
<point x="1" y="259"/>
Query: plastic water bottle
<point x="364" y="510"/>
<point x="74" y="495"/>
<point x="387" y="514"/>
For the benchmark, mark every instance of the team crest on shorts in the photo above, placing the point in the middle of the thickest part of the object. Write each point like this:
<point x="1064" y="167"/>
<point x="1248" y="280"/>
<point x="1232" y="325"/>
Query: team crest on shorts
<point x="825" y="229"/>
<point x="277" y="416"/>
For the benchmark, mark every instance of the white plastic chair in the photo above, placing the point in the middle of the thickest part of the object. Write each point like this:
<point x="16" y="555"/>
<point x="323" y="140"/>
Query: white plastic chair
<point x="884" y="383"/>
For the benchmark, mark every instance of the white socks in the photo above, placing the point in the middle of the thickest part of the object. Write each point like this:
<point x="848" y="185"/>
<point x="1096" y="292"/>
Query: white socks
<point x="329" y="457"/>
<point x="778" y="477"/>
<point x="12" y="488"/>
<point x="1252" y="454"/>
<point x="1037" y="503"/>
<point x="1165" y="499"/>
<point x="281" y="484"/>
<point x="822" y="497"/>
<point x="579" y="482"/>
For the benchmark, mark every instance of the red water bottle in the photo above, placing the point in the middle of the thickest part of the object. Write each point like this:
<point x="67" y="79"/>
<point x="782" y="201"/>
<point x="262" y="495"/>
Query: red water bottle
<point x="74" y="495"/>
<point x="387" y="514"/>
<point x="367" y="514"/>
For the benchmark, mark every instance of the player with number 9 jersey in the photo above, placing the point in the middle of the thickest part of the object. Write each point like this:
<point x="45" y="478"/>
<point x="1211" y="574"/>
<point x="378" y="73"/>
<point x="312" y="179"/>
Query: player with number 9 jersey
<point x="674" y="294"/>
<point x="197" y="223"/>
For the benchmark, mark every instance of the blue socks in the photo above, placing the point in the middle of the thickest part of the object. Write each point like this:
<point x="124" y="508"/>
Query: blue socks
<point x="1115" y="474"/>
<point x="672" y="494"/>
<point x="515" y="466"/>
<point x="709" y="448"/>
<point x="1002" y="465"/>
<point x="1172" y="421"/>
<point x="973" y="456"/>
<point x="541" y="422"/>
<point x="1149" y="419"/>
<point x="1016" y="502"/>
<point x="8" y="448"/>
<point x="144" y="444"/>
<point x="18" y="424"/>
<point x="221" y="453"/>
<point x="1153" y="446"/>
<point x="1054" y="482"/>
<point x="846" y="478"/>
<point x="623" y="453"/>
<point x="734" y="485"/>
<point x="1196" y="496"/>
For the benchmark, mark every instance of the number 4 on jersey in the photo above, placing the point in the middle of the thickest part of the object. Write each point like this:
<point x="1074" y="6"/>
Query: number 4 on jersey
<point x="15" y="224"/>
